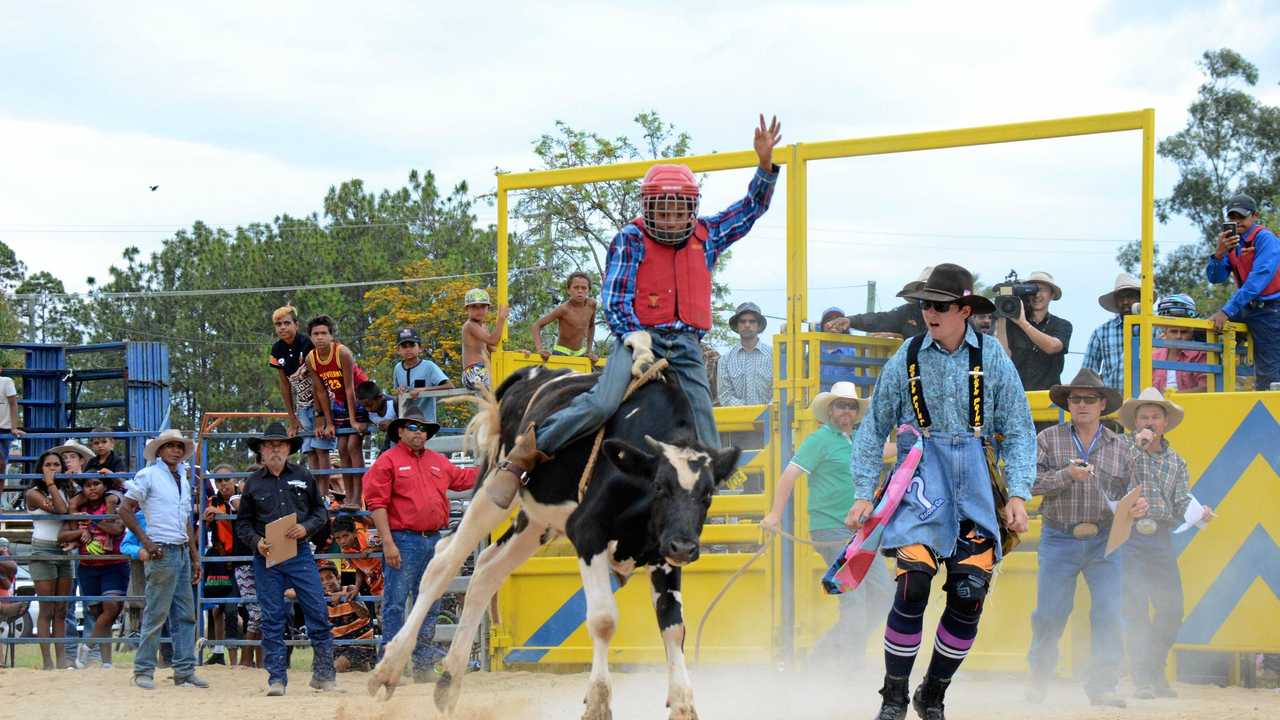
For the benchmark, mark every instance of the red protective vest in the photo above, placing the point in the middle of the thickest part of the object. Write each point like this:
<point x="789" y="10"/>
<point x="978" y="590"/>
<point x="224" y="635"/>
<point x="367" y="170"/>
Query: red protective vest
<point x="674" y="282"/>
<point x="1242" y="262"/>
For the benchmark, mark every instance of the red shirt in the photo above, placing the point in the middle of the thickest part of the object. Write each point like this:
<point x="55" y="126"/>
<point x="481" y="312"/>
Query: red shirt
<point x="411" y="487"/>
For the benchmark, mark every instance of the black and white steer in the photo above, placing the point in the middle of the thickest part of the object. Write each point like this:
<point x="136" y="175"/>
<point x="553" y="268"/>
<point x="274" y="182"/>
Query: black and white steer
<point x="644" y="507"/>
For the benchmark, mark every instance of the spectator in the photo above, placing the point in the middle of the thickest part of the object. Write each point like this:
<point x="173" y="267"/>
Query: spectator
<point x="1180" y="306"/>
<point x="1250" y="253"/>
<point x="74" y="456"/>
<point x="162" y="491"/>
<point x="219" y="577"/>
<point x="478" y="340"/>
<point x="1037" y="340"/>
<point x="351" y="538"/>
<point x="276" y="490"/>
<point x="334" y="377"/>
<point x="711" y="361"/>
<point x="575" y="320"/>
<point x="104" y="458"/>
<point x="250" y="655"/>
<point x="108" y="578"/>
<point x="831" y="371"/>
<point x="9" y="608"/>
<point x="746" y="371"/>
<point x="413" y="376"/>
<point x="381" y="407"/>
<point x="983" y="323"/>
<point x="824" y="458"/>
<point x="51" y="575"/>
<point x="904" y="321"/>
<point x="10" y="420"/>
<point x="1151" y="578"/>
<point x="350" y="619"/>
<point x="406" y="493"/>
<point x="1105" y="353"/>
<point x="288" y="357"/>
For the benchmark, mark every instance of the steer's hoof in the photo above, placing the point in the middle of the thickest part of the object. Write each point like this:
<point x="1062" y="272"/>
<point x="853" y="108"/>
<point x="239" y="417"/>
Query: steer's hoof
<point x="448" y="687"/>
<point x="684" y="712"/>
<point x="680" y="702"/>
<point x="597" y="701"/>
<point x="381" y="680"/>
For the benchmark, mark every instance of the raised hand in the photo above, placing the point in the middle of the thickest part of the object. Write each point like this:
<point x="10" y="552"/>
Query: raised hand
<point x="766" y="138"/>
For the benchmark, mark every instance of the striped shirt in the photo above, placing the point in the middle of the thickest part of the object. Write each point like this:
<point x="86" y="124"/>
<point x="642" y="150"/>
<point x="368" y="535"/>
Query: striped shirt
<point x="1068" y="501"/>
<point x="1165" y="482"/>
<point x="745" y="377"/>
<point x="626" y="252"/>
<point x="1105" y="353"/>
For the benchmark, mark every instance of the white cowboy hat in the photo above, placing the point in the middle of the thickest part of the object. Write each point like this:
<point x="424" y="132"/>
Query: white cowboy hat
<point x="75" y="447"/>
<point x="168" y="436"/>
<point x="1124" y="281"/>
<point x="1040" y="276"/>
<point x="843" y="390"/>
<point x="1151" y="396"/>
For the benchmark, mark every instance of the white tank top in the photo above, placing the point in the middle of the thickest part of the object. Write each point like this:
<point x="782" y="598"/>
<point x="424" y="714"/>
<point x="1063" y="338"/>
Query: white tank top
<point x="46" y="530"/>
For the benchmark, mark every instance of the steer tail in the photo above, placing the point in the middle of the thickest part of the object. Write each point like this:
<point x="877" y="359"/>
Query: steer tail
<point x="484" y="432"/>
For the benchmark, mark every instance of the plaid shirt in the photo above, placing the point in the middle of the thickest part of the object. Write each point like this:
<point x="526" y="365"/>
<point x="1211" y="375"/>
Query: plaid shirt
<point x="627" y="252"/>
<point x="745" y="377"/>
<point x="1067" y="501"/>
<point x="1165" y="482"/>
<point x="1105" y="354"/>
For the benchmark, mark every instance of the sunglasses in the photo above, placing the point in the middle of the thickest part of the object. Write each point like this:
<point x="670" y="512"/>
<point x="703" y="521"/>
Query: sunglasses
<point x="844" y="405"/>
<point x="415" y="427"/>
<point x="936" y="305"/>
<point x="1084" y="399"/>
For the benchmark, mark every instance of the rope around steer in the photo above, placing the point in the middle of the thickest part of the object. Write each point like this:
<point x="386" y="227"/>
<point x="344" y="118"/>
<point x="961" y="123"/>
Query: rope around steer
<point x="649" y="374"/>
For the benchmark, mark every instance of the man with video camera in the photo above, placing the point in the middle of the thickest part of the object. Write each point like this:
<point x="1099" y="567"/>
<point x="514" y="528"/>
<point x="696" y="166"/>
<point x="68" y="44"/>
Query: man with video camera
<point x="1035" y="340"/>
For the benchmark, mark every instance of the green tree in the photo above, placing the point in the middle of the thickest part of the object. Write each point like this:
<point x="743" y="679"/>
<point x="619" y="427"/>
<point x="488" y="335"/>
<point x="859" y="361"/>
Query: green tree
<point x="47" y="314"/>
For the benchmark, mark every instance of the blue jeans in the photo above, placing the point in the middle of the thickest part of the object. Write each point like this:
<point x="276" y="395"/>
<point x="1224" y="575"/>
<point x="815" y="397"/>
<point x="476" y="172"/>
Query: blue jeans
<point x="861" y="611"/>
<point x="1264" y="333"/>
<point x="300" y="573"/>
<point x="1151" y="582"/>
<point x="1062" y="558"/>
<point x="400" y="587"/>
<point x="307" y="421"/>
<point x="168" y="598"/>
<point x="592" y="408"/>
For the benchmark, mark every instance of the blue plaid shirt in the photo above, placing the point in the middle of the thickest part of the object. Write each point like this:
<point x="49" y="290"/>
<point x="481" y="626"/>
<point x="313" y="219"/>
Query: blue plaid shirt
<point x="1105" y="354"/>
<point x="627" y="252"/>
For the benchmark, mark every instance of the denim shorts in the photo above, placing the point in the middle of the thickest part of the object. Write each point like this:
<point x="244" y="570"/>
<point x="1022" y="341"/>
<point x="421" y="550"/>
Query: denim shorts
<point x="110" y="579"/>
<point x="307" y="419"/>
<point x="48" y="569"/>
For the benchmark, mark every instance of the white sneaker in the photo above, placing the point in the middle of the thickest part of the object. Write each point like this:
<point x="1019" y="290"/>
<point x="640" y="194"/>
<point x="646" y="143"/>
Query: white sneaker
<point x="82" y="656"/>
<point x="106" y="666"/>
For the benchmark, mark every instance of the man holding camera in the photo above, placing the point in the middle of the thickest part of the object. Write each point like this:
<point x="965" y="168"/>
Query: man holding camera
<point x="1035" y="340"/>
<point x="1249" y="252"/>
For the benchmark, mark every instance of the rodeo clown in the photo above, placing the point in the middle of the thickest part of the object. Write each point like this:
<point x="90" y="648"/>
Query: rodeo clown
<point x="963" y="393"/>
<point x="657" y="300"/>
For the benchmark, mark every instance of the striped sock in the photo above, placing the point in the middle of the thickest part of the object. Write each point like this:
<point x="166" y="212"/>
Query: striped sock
<point x="956" y="632"/>
<point x="902" y="636"/>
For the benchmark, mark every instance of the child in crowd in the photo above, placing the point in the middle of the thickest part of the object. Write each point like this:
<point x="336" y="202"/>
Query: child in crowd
<point x="105" y="460"/>
<point x="98" y="577"/>
<point x="219" y="578"/>
<point x="334" y="377"/>
<point x="413" y="376"/>
<point x="576" y="318"/>
<point x="380" y="406"/>
<point x="352" y="537"/>
<point x="351" y="620"/>
<point x="1179" y="306"/>
<point x="477" y="340"/>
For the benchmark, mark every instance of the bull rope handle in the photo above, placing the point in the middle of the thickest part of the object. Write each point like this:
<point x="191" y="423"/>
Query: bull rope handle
<point x="649" y="374"/>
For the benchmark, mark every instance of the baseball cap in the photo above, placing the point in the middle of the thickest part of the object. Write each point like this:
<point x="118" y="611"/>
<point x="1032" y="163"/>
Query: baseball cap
<point x="476" y="296"/>
<point x="408" y="335"/>
<point x="1241" y="205"/>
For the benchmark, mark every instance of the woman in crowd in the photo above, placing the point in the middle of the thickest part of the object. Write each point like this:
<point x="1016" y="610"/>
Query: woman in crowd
<point x="48" y="495"/>
<point x="107" y="577"/>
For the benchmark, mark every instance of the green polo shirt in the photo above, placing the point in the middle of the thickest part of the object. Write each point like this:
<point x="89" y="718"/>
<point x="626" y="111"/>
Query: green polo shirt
<point x="824" y="456"/>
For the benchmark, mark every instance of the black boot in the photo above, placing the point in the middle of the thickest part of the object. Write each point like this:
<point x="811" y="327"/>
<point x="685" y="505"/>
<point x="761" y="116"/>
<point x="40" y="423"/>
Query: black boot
<point x="927" y="699"/>
<point x="894" y="693"/>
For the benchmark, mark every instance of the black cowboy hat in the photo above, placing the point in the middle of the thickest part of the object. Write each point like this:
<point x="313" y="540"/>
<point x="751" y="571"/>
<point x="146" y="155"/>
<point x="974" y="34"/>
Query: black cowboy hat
<point x="951" y="283"/>
<point x="274" y="431"/>
<point x="412" y="414"/>
<point x="1086" y="379"/>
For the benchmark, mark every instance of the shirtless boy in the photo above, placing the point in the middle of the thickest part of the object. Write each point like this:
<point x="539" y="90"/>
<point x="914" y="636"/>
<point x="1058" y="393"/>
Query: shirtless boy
<point x="577" y="322"/>
<point x="477" y="340"/>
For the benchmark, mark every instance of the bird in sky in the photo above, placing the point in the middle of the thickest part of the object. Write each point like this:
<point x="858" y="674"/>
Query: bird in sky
<point x="154" y="187"/>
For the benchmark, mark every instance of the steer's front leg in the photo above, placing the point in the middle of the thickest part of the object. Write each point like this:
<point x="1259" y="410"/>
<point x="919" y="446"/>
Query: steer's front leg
<point x="670" y="611"/>
<point x="602" y="622"/>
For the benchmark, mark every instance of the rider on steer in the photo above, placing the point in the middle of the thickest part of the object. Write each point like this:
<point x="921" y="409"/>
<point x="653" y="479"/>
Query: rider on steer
<point x="657" y="301"/>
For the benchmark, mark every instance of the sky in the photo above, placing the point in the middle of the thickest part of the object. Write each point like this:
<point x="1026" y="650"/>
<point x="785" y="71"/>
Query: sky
<point x="242" y="111"/>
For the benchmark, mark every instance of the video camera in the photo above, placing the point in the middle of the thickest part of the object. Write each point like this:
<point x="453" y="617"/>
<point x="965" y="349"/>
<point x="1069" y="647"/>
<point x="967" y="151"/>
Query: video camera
<point x="1012" y="292"/>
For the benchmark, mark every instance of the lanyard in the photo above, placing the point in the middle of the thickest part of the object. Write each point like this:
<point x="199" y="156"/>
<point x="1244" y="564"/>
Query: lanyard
<point x="1075" y="440"/>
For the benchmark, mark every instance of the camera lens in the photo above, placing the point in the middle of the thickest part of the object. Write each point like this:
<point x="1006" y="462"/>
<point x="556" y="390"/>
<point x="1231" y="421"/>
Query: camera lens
<point x="1007" y="305"/>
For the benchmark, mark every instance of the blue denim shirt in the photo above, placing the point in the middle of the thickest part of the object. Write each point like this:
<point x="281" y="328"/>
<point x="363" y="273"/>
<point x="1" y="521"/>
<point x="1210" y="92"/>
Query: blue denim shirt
<point x="945" y="377"/>
<point x="165" y="501"/>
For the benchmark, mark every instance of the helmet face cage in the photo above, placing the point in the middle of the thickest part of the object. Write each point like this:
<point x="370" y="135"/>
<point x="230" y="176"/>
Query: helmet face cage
<point x="666" y="204"/>
<point x="1178" y="306"/>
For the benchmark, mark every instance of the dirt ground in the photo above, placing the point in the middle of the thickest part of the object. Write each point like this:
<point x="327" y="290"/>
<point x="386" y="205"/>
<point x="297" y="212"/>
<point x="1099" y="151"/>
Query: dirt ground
<point x="720" y="693"/>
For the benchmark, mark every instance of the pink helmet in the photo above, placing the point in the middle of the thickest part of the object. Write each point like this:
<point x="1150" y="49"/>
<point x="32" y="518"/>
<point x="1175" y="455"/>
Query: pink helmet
<point x="663" y="187"/>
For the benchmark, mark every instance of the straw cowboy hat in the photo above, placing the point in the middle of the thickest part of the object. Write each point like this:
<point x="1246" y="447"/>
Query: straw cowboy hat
<point x="274" y="431"/>
<point x="951" y="283"/>
<point x="1124" y="281"/>
<point x="75" y="447"/>
<point x="1150" y="396"/>
<point x="743" y="309"/>
<point x="843" y="390"/>
<point x="1086" y="379"/>
<point x="168" y="436"/>
<point x="1039" y="276"/>
<point x="412" y="414"/>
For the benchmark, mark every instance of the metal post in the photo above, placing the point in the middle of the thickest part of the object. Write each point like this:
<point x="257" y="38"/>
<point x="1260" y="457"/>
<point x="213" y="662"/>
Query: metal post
<point x="871" y="296"/>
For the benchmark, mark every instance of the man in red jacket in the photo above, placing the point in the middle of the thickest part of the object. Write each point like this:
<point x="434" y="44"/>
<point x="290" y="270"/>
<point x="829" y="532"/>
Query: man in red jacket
<point x="406" y="490"/>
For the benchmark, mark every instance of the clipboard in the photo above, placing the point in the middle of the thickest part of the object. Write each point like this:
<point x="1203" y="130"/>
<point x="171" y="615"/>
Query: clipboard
<point x="282" y="548"/>
<point x="1122" y="522"/>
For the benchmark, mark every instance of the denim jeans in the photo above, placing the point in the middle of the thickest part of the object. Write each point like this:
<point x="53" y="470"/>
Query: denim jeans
<point x="400" y="587"/>
<point x="1151" y="582"/>
<point x="592" y="408"/>
<point x="1062" y="558"/>
<point x="168" y="598"/>
<point x="1264" y="333"/>
<point x="301" y="574"/>
<point x="862" y="611"/>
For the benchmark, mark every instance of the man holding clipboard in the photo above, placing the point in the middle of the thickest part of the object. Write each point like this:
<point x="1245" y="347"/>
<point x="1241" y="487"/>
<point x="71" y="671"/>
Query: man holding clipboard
<point x="280" y="508"/>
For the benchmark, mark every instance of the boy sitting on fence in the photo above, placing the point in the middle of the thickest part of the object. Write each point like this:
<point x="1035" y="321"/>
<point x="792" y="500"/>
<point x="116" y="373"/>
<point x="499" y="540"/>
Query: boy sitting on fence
<point x="477" y="340"/>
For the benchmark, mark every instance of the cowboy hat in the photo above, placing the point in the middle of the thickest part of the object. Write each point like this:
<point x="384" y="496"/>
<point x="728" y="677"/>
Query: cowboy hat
<point x="1086" y="379"/>
<point x="1150" y="396"/>
<point x="274" y="431"/>
<point x="1124" y="281"/>
<point x="1039" y="276"/>
<point x="75" y="447"/>
<point x="918" y="282"/>
<point x="843" y="390"/>
<point x="743" y="309"/>
<point x="412" y="414"/>
<point x="168" y="436"/>
<point x="951" y="283"/>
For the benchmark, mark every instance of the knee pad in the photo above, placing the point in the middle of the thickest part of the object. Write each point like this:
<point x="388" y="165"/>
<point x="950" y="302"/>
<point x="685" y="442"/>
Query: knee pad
<point x="914" y="586"/>
<point x="965" y="592"/>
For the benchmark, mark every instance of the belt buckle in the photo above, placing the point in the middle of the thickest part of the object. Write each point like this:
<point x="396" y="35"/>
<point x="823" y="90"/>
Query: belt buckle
<point x="1146" y="526"/>
<point x="1084" y="530"/>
